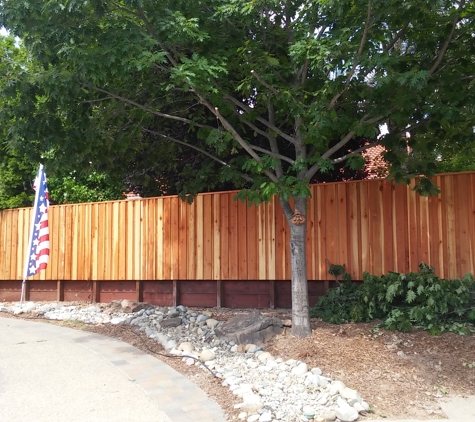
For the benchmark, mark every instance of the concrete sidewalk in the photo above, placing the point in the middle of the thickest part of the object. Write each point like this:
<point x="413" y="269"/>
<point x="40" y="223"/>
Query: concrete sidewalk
<point x="55" y="374"/>
<point x="457" y="409"/>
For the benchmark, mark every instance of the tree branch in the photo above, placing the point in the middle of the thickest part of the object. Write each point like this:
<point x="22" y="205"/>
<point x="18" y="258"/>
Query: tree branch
<point x="152" y="32"/>
<point x="356" y="151"/>
<point x="445" y="47"/>
<point x="241" y="141"/>
<point x="271" y="154"/>
<point x="149" y="110"/>
<point x="265" y="122"/>
<point x="399" y="34"/>
<point x="272" y="139"/>
<point x="357" y="59"/>
<point x="263" y="82"/>
<point x="202" y="151"/>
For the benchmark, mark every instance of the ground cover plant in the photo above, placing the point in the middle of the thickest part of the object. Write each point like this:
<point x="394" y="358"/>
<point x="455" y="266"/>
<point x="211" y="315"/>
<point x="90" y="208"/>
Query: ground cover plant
<point x="402" y="301"/>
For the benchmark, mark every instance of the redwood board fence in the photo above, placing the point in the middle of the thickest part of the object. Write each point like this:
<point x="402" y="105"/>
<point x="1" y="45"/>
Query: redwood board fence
<point x="220" y="252"/>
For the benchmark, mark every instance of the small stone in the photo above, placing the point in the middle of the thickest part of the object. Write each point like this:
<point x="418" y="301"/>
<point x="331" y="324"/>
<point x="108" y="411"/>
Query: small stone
<point x="287" y="322"/>
<point x="207" y="355"/>
<point x="242" y="416"/>
<point x="211" y="323"/>
<point x="171" y="344"/>
<point x="329" y="416"/>
<point x="300" y="369"/>
<point x="253" y="418"/>
<point x="265" y="417"/>
<point x="209" y="314"/>
<point x="202" y="318"/>
<point x="316" y="371"/>
<point x="252" y="349"/>
<point x="186" y="347"/>
<point x="181" y="308"/>
<point x="190" y="361"/>
<point x="265" y="356"/>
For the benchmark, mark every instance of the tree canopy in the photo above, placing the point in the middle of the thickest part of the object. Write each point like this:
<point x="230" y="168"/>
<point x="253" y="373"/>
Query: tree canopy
<point x="271" y="93"/>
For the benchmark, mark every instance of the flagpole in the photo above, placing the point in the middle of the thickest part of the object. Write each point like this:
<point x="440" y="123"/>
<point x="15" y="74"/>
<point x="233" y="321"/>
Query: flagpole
<point x="32" y="229"/>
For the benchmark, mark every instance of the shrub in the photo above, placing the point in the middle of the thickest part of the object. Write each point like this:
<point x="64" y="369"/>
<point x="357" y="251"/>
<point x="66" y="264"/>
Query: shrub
<point x="403" y="301"/>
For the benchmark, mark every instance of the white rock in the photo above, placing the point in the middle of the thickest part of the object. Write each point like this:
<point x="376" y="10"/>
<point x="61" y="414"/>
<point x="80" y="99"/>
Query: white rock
<point x="28" y="307"/>
<point x="206" y="355"/>
<point x="242" y="416"/>
<point x="316" y="371"/>
<point x="345" y="412"/>
<point x="266" y="417"/>
<point x="350" y="395"/>
<point x="186" y="347"/>
<point x="265" y="356"/>
<point x="251" y="403"/>
<point x="253" y="418"/>
<point x="300" y="369"/>
<point x="336" y="387"/>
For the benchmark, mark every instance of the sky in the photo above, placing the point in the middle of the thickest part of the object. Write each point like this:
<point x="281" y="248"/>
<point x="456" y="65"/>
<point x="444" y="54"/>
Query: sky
<point x="3" y="31"/>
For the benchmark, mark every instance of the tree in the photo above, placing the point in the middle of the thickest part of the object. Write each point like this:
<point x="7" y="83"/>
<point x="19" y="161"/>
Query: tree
<point x="275" y="92"/>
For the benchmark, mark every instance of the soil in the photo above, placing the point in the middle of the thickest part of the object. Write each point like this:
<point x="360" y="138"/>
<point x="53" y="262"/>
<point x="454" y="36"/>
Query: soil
<point x="401" y="375"/>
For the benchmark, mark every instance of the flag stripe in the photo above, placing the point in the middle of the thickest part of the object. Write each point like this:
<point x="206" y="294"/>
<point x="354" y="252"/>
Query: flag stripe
<point x="39" y="245"/>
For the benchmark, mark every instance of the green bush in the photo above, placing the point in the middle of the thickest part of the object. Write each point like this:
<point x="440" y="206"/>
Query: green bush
<point x="403" y="301"/>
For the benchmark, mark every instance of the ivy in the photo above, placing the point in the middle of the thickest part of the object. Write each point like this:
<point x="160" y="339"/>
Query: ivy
<point x="402" y="301"/>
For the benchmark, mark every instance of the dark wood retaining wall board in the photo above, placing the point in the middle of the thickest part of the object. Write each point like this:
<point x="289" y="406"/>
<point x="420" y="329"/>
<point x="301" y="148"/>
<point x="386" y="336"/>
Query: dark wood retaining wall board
<point x="229" y="293"/>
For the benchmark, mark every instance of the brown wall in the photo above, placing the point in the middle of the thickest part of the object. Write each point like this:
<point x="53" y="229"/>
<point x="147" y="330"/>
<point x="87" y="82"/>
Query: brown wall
<point x="366" y="225"/>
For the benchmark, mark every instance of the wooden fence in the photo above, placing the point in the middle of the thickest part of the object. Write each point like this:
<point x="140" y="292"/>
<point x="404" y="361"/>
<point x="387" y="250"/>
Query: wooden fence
<point x="218" y="251"/>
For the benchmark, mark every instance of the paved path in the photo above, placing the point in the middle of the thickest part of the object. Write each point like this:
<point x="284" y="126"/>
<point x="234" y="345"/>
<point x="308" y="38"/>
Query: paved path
<point x="55" y="374"/>
<point x="457" y="409"/>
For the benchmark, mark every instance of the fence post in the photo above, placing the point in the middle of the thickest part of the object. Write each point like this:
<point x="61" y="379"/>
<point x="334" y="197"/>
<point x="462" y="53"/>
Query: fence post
<point x="272" y="294"/>
<point x="59" y="291"/>
<point x="219" y="293"/>
<point x="138" y="291"/>
<point x="95" y="291"/>
<point x="176" y="292"/>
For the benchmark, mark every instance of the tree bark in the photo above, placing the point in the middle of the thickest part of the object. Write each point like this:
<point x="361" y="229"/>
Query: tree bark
<point x="298" y="259"/>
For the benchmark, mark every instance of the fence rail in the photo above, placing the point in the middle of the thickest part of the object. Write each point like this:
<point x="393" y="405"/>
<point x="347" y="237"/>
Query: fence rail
<point x="368" y="225"/>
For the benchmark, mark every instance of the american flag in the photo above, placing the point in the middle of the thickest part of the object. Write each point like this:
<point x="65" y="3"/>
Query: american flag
<point x="38" y="252"/>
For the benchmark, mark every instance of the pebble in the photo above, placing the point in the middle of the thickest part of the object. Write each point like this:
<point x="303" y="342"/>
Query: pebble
<point x="268" y="389"/>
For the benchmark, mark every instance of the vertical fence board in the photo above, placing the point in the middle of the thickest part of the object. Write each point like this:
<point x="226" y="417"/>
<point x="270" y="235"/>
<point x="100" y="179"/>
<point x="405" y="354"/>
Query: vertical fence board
<point x="199" y="251"/>
<point x="174" y="241"/>
<point x="182" y="240"/>
<point x="216" y="228"/>
<point x="224" y="239"/>
<point x="241" y="237"/>
<point x="252" y="243"/>
<point x="207" y="219"/>
<point x="159" y="241"/>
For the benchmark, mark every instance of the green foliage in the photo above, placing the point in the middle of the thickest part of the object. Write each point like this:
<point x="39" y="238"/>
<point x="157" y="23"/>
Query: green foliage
<point x="93" y="187"/>
<point x="403" y="301"/>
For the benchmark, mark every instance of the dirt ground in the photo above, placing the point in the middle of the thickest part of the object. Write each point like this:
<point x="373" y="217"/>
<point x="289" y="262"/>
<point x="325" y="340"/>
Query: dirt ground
<point x="400" y="375"/>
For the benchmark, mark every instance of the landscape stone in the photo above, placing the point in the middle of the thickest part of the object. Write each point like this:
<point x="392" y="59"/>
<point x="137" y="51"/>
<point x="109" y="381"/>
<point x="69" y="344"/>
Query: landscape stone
<point x="171" y="322"/>
<point x="252" y="328"/>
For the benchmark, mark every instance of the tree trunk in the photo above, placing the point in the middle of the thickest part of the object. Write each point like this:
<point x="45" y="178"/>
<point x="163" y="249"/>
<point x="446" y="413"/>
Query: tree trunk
<point x="298" y="259"/>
